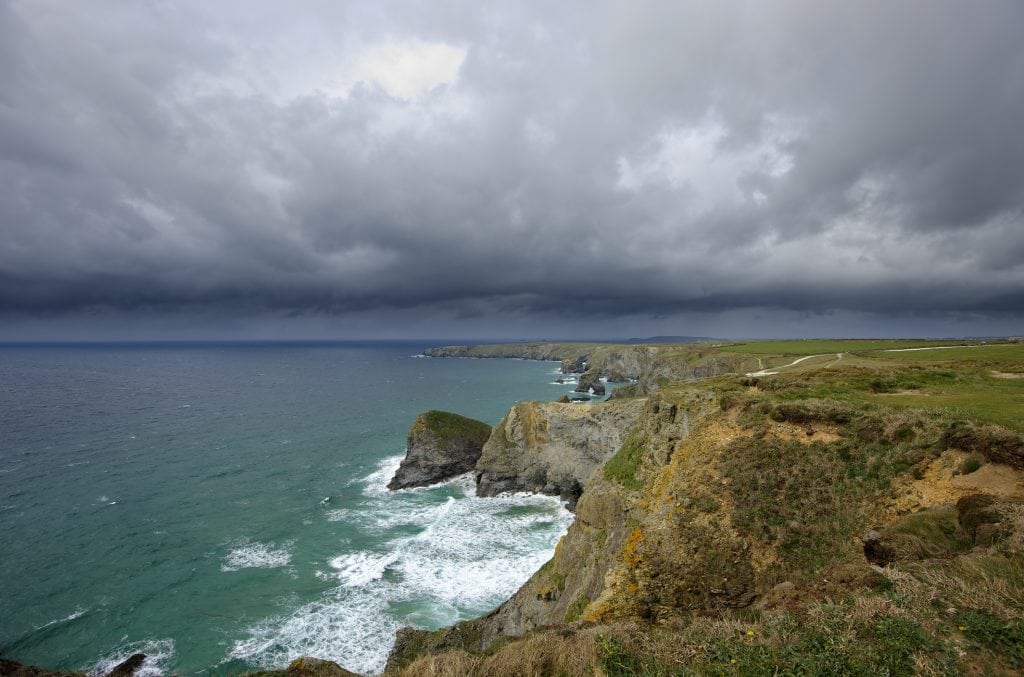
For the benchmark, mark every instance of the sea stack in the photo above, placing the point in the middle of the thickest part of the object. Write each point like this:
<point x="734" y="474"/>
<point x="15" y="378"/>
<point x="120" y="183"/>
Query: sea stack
<point x="440" y="446"/>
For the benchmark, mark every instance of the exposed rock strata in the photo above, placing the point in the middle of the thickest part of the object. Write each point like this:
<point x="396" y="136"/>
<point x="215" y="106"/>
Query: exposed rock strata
<point x="440" y="445"/>
<point x="552" y="448"/>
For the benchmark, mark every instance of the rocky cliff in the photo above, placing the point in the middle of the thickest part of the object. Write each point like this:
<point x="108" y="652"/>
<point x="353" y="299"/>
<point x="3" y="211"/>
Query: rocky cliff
<point x="552" y="448"/>
<point x="748" y="521"/>
<point x="439" y="446"/>
<point x="648" y="367"/>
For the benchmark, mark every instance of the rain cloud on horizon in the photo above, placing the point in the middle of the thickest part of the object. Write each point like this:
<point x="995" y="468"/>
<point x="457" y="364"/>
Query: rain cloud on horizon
<point x="605" y="169"/>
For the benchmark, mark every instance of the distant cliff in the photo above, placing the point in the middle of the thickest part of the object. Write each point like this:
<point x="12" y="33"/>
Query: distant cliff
<point x="646" y="367"/>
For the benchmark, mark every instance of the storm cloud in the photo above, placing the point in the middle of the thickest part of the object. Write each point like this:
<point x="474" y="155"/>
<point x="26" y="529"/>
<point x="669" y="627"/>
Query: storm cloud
<point x="511" y="169"/>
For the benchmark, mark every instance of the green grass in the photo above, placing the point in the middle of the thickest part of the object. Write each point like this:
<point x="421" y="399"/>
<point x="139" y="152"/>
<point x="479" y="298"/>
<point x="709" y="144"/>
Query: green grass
<point x="623" y="465"/>
<point x="825" y="488"/>
<point x="998" y="352"/>
<point x="447" y="426"/>
<point x="1003" y="638"/>
<point x="951" y="390"/>
<point x="575" y="610"/>
<point x="800" y="348"/>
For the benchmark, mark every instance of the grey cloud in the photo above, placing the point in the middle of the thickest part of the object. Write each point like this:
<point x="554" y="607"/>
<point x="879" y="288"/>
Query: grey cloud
<point x="796" y="156"/>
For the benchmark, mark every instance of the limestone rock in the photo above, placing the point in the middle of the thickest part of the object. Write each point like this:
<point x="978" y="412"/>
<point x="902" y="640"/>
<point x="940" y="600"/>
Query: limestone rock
<point x="440" y="445"/>
<point x="553" y="448"/>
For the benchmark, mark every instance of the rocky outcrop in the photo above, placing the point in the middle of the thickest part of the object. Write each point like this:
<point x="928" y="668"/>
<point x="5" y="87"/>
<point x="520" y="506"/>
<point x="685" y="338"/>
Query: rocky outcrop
<point x="440" y="446"/>
<point x="590" y="382"/>
<point x="552" y="448"/>
<point x="607" y="515"/>
<point x="307" y="667"/>
<point x="575" y="365"/>
<point x="622" y="363"/>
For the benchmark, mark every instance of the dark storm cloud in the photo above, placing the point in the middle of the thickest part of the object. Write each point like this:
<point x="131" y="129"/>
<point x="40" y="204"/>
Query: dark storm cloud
<point x="592" y="160"/>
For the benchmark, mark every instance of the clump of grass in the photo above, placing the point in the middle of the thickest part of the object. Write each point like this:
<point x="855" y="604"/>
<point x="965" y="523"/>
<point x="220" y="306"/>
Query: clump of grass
<point x="995" y="443"/>
<point x="1004" y="638"/>
<point x="619" y="660"/>
<point x="575" y="610"/>
<point x="623" y="466"/>
<point x="929" y="533"/>
<point x="971" y="464"/>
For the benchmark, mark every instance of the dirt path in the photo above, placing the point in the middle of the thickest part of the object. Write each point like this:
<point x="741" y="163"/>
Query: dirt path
<point x="769" y="372"/>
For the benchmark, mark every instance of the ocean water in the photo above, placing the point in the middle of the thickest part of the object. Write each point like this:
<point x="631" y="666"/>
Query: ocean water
<point x="222" y="507"/>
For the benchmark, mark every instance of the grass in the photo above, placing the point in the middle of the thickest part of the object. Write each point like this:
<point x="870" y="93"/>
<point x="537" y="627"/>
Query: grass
<point x="803" y="347"/>
<point x="824" y="488"/>
<point x="959" y="390"/>
<point x="1005" y="638"/>
<point x="448" y="426"/>
<point x="623" y="466"/>
<point x="996" y="352"/>
<point x="575" y="610"/>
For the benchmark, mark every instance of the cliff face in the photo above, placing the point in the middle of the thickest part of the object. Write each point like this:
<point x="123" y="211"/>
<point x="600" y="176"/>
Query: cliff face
<point x="724" y="496"/>
<point x="606" y="515"/>
<point x="552" y="448"/>
<point x="440" y="445"/>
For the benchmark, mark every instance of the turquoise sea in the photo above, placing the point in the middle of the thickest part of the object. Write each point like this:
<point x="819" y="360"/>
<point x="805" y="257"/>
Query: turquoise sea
<point x="222" y="507"/>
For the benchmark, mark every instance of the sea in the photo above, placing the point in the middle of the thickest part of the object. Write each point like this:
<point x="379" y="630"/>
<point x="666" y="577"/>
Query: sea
<point x="221" y="507"/>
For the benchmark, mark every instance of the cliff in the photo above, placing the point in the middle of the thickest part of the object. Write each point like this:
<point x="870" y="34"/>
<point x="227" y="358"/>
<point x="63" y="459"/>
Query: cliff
<point x="439" y="446"/>
<point x="802" y="522"/>
<point x="552" y="448"/>
<point x="524" y="351"/>
<point x="648" y="367"/>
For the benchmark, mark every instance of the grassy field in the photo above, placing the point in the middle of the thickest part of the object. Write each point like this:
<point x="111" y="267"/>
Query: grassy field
<point x="815" y="346"/>
<point x="998" y="352"/>
<point x="961" y="389"/>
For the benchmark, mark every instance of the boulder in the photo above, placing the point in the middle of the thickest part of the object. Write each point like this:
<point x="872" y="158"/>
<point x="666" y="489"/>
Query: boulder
<point x="440" y="445"/>
<point x="129" y="666"/>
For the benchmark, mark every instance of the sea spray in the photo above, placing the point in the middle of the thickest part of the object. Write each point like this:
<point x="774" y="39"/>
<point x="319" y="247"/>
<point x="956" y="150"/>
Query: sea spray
<point x="468" y="554"/>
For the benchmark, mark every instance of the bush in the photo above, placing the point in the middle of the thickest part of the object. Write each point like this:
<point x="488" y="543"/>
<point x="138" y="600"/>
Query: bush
<point x="970" y="464"/>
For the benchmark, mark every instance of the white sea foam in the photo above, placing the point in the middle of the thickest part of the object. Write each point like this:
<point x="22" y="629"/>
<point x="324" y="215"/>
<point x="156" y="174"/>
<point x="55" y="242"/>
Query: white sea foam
<point x="255" y="556"/>
<point x="377" y="481"/>
<point x="361" y="568"/>
<point x="78" y="613"/>
<point x="159" y="654"/>
<point x="469" y="555"/>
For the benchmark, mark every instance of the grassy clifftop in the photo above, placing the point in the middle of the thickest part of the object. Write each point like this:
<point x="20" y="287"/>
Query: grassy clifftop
<point x="853" y="514"/>
<point x="446" y="427"/>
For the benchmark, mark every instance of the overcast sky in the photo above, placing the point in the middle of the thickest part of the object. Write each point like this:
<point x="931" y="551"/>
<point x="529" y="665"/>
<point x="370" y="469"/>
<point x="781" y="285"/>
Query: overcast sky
<point x="547" y="169"/>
